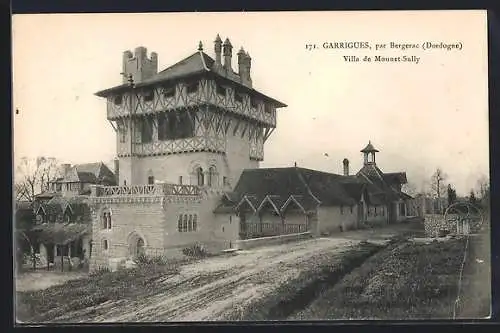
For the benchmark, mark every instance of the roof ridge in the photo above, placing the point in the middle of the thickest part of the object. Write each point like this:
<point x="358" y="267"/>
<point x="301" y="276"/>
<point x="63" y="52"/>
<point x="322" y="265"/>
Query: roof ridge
<point x="301" y="178"/>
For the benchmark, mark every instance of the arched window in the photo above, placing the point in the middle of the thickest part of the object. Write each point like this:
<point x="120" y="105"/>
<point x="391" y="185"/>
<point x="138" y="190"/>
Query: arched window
<point x="185" y="224"/>
<point x="195" y="222"/>
<point x="211" y="176"/>
<point x="200" y="176"/>
<point x="105" y="220"/>
<point x="179" y="224"/>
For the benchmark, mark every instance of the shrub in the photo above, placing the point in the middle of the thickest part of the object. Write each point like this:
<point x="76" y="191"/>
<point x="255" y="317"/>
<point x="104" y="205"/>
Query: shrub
<point x="100" y="271"/>
<point x="196" y="251"/>
<point x="151" y="260"/>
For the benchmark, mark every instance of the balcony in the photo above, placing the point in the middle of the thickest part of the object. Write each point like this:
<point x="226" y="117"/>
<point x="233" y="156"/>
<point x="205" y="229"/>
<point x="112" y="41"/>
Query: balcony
<point x="145" y="190"/>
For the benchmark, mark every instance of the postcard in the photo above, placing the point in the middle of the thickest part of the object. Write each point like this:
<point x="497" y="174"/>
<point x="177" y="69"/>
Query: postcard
<point x="262" y="166"/>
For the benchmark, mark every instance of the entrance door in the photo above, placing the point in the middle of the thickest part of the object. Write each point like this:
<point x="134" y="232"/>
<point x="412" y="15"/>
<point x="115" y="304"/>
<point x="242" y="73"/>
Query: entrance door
<point x="139" y="247"/>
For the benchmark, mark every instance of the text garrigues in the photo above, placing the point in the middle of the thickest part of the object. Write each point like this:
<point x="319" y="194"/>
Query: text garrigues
<point x="387" y="52"/>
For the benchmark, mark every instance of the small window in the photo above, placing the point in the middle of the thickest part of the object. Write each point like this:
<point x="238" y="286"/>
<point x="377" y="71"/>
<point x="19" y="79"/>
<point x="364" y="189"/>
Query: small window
<point x="341" y="210"/>
<point x="230" y="219"/>
<point x="221" y="90"/>
<point x="238" y="97"/>
<point x="192" y="87"/>
<point x="151" y="180"/>
<point x="195" y="222"/>
<point x="105" y="244"/>
<point x="169" y="92"/>
<point x="179" y="224"/>
<point x="268" y="108"/>
<point x="375" y="210"/>
<point x="351" y="209"/>
<point x="118" y="100"/>
<point x="225" y="181"/>
<point x="222" y="228"/>
<point x="190" y="223"/>
<point x="148" y="95"/>
<point x="185" y="223"/>
<point x="200" y="176"/>
<point x="180" y="180"/>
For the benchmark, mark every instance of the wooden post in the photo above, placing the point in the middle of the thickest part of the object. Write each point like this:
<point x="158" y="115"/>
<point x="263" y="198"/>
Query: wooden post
<point x="69" y="255"/>
<point x="33" y="255"/>
<point x="62" y="258"/>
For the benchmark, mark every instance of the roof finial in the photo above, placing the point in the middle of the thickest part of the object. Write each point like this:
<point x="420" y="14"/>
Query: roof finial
<point x="200" y="46"/>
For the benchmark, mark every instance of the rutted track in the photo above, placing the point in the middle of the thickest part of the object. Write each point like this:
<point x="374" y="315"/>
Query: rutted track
<point x="230" y="287"/>
<point x="194" y="295"/>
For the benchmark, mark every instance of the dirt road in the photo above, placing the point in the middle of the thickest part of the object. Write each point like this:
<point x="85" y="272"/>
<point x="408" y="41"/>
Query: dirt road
<point x="210" y="289"/>
<point x="218" y="287"/>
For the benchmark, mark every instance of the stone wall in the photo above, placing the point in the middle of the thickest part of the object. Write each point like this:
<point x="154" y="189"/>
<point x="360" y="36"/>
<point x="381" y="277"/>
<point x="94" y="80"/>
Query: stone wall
<point x="435" y="224"/>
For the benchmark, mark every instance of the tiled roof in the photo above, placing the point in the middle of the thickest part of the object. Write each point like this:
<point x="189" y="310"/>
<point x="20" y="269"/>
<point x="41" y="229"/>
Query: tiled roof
<point x="196" y="64"/>
<point x="308" y="185"/>
<point x="89" y="173"/>
<point x="378" y="182"/>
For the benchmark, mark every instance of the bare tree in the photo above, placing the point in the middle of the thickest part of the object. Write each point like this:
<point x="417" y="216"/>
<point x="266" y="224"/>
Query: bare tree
<point x="438" y="187"/>
<point x="33" y="176"/>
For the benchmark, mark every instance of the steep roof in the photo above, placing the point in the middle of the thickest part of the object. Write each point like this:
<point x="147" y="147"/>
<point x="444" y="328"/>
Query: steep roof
<point x="198" y="63"/>
<point x="89" y="173"/>
<point x="384" y="186"/>
<point x="309" y="186"/>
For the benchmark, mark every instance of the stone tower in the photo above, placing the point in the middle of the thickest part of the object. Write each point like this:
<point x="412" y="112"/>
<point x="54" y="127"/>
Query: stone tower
<point x="197" y="122"/>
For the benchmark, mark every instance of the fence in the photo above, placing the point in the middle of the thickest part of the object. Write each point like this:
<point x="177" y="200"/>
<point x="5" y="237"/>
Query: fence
<point x="256" y="230"/>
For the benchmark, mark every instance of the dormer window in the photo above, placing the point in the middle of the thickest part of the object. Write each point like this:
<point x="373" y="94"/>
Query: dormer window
<point x="148" y="95"/>
<point x="192" y="87"/>
<point x="118" y="100"/>
<point x="238" y="97"/>
<point x="169" y="92"/>
<point x="221" y="90"/>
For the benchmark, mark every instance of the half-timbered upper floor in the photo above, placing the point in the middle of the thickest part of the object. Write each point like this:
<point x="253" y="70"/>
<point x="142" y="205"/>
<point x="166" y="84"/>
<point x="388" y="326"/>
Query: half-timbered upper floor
<point x="193" y="82"/>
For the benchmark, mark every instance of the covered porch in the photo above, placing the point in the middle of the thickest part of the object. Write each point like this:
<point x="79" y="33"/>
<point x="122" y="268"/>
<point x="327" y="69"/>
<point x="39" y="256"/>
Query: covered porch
<point x="60" y="246"/>
<point x="272" y="216"/>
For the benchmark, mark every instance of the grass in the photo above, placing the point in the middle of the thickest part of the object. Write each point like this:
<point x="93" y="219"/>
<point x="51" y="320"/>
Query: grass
<point x="323" y="270"/>
<point x="44" y="305"/>
<point x="403" y="281"/>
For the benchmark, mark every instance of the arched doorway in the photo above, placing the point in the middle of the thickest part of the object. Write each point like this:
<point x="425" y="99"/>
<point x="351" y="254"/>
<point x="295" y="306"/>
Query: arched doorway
<point x="137" y="245"/>
<point x="140" y="247"/>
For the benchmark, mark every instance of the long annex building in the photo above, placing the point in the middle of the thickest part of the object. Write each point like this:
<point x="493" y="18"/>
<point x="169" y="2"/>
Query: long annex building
<point x="189" y="142"/>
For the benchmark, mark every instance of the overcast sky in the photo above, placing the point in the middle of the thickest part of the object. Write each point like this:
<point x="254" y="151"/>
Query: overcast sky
<point x="420" y="116"/>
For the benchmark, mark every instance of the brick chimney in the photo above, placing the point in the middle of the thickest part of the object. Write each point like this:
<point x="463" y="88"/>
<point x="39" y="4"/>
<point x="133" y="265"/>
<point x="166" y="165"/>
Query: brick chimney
<point x="218" y="51"/>
<point x="65" y="167"/>
<point x="139" y="65"/>
<point x="227" y="50"/>
<point x="345" y="162"/>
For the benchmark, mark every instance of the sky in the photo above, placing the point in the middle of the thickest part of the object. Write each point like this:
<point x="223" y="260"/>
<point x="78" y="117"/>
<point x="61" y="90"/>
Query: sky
<point x="420" y="116"/>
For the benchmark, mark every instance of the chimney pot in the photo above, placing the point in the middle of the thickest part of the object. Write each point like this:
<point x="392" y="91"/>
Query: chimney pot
<point x="346" y="166"/>
<point x="227" y="50"/>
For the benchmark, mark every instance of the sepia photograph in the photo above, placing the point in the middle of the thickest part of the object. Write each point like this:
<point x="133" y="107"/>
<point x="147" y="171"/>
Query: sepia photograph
<point x="250" y="166"/>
